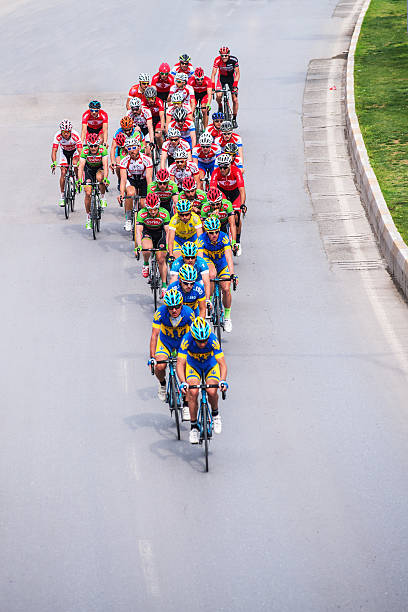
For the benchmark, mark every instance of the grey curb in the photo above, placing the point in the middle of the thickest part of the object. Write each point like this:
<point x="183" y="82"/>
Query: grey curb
<point x="392" y="246"/>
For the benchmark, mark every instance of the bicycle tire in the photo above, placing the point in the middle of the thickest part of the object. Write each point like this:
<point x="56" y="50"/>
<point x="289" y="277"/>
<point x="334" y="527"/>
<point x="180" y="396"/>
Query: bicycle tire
<point x="218" y="317"/>
<point x="205" y="433"/>
<point x="94" y="215"/>
<point x="174" y="398"/>
<point x="72" y="193"/>
<point x="67" y="204"/>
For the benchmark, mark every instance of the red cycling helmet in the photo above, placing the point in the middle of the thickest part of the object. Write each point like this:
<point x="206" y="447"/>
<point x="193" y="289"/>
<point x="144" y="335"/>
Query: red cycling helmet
<point x="199" y="72"/>
<point x="126" y="123"/>
<point x="120" y="139"/>
<point x="163" y="176"/>
<point x="189" y="183"/>
<point x="92" y="139"/>
<point x="224" y="51"/>
<point x="164" y="67"/>
<point x="214" y="195"/>
<point x="152" y="201"/>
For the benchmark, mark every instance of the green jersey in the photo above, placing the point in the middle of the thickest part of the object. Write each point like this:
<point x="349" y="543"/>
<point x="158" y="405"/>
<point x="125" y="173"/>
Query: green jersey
<point x="153" y="223"/>
<point x="224" y="211"/>
<point x="94" y="160"/>
<point x="167" y="194"/>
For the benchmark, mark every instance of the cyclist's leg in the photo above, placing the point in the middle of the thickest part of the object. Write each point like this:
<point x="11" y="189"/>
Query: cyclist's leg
<point x="201" y="171"/>
<point x="192" y="378"/>
<point x="213" y="273"/>
<point x="162" y="353"/>
<point x="218" y="96"/>
<point x="99" y="178"/>
<point x="223" y="272"/>
<point x="161" y="259"/>
<point x="89" y="177"/>
<point x="178" y="243"/>
<point x="129" y="191"/>
<point x="142" y="191"/>
<point x="212" y="377"/>
<point x="147" y="243"/>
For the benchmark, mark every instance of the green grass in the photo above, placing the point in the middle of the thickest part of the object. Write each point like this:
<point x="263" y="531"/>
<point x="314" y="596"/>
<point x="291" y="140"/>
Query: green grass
<point x="381" y="90"/>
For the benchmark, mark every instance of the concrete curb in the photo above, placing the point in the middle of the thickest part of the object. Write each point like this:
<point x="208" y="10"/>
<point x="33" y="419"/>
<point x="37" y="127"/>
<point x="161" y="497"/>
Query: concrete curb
<point x="392" y="246"/>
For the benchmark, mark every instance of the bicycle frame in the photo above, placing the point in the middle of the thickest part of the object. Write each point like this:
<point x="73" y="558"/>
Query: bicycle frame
<point x="175" y="403"/>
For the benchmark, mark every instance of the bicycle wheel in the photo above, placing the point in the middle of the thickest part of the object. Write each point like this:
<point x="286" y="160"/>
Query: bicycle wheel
<point x="205" y="432"/>
<point x="72" y="192"/>
<point x="174" y="406"/>
<point x="67" y="203"/>
<point x="155" y="285"/>
<point x="94" y="215"/>
<point x="227" y="109"/>
<point x="217" y="317"/>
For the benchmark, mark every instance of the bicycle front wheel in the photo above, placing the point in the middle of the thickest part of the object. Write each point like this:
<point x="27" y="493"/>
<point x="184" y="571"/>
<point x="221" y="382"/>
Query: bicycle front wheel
<point x="205" y="432"/>
<point x="67" y="203"/>
<point x="94" y="215"/>
<point x="72" y="193"/>
<point x="174" y="404"/>
<point x="217" y="317"/>
<point x="155" y="283"/>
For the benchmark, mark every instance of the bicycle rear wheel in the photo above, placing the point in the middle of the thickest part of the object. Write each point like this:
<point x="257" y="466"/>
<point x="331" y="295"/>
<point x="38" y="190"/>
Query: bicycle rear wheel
<point x="174" y="406"/>
<point x="217" y="317"/>
<point x="94" y="215"/>
<point x="67" y="203"/>
<point x="72" y="192"/>
<point x="227" y="109"/>
<point x="205" y="433"/>
<point x="154" y="281"/>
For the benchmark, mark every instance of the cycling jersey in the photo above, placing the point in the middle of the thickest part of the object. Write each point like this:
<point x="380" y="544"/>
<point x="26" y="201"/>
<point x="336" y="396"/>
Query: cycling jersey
<point x="73" y="143"/>
<point x="136" y="133"/>
<point x="197" y="200"/>
<point x="224" y="211"/>
<point x="206" y="156"/>
<point x="162" y="86"/>
<point x="213" y="131"/>
<point x="191" y="298"/>
<point x="156" y="108"/>
<point x="199" y="87"/>
<point x="237" y="162"/>
<point x="94" y="160"/>
<point x="134" y="92"/>
<point x="213" y="252"/>
<point x="141" y="118"/>
<point x="188" y="70"/>
<point x="136" y="168"/>
<point x="233" y="180"/>
<point x="200" y="265"/>
<point x="153" y="223"/>
<point x="179" y="174"/>
<point x="166" y="195"/>
<point x="172" y="330"/>
<point x="186" y="129"/>
<point x="171" y="108"/>
<point x="228" y="68"/>
<point x="187" y="92"/>
<point x="201" y="358"/>
<point x="170" y="146"/>
<point x="185" y="230"/>
<point x="221" y="141"/>
<point x="94" y="124"/>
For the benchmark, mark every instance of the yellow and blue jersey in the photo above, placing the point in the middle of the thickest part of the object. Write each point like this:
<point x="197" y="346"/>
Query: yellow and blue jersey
<point x="172" y="330"/>
<point x="190" y="298"/>
<point x="215" y="253"/>
<point x="185" y="230"/>
<point x="201" y="358"/>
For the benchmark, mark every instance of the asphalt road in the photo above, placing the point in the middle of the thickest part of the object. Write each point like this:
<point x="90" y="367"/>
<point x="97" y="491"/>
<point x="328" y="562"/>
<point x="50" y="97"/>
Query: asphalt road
<point x="305" y="506"/>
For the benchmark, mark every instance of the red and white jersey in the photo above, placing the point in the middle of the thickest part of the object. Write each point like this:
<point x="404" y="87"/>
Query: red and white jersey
<point x="154" y="108"/>
<point x="213" y="131"/>
<point x="171" y="107"/>
<point x="162" y="86"/>
<point x="185" y="129"/>
<point x="71" y="144"/>
<point x="141" y="118"/>
<point x="222" y="142"/>
<point x="179" y="174"/>
<point x="233" y="180"/>
<point x="170" y="146"/>
<point x="199" y="87"/>
<point x="187" y="91"/>
<point x="136" y="168"/>
<point x="206" y="155"/>
<point x="226" y="68"/>
<point x="187" y="69"/>
<point x="94" y="122"/>
<point x="134" y="92"/>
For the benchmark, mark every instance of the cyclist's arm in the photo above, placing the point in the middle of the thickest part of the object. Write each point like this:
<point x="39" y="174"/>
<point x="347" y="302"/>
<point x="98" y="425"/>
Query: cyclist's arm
<point x="81" y="167"/>
<point x="54" y="153"/>
<point x="213" y="75"/>
<point x="230" y="261"/>
<point x="149" y="175"/>
<point x="236" y="76"/>
<point x="83" y="131"/>
<point x="163" y="159"/>
<point x="139" y="229"/>
<point x="231" y="223"/>
<point x="105" y="133"/>
<point x="175" y="198"/>
<point x="205" y="275"/>
<point x="105" y="166"/>
<point x="168" y="119"/>
<point x="202" y="306"/>
<point x="127" y="103"/>
<point x="223" y="366"/>
<point x="181" y="368"/>
<point x="242" y="194"/>
<point x="150" y="128"/>
<point x="123" y="179"/>
<point x="193" y="138"/>
<point x="166" y="231"/>
<point x="161" y="115"/>
<point x="153" y="341"/>
<point x="199" y="230"/>
<point x="209" y="94"/>
<point x="112" y="153"/>
<point x="170" y="240"/>
<point x="193" y="103"/>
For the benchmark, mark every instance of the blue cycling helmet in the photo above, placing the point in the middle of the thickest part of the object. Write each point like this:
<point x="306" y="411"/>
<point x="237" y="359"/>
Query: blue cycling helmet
<point x="189" y="249"/>
<point x="200" y="329"/>
<point x="173" y="297"/>
<point x="218" y="116"/>
<point x="187" y="273"/>
<point x="212" y="224"/>
<point x="183" y="206"/>
<point x="94" y="105"/>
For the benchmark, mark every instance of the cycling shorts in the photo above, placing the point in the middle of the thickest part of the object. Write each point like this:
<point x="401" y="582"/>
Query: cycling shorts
<point x="212" y="372"/>
<point x="156" y="122"/>
<point x="145" y="132"/>
<point x="90" y="173"/>
<point x="201" y="97"/>
<point x="92" y="130"/>
<point x="233" y="196"/>
<point x="63" y="157"/>
<point x="178" y="243"/>
<point x="225" y="80"/>
<point x="188" y="139"/>
<point x="203" y="166"/>
<point x="162" y="351"/>
<point x="220" y="265"/>
<point x="158" y="237"/>
<point x="163" y="95"/>
<point x="140" y="184"/>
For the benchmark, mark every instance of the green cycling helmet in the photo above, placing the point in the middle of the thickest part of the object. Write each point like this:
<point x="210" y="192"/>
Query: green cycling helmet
<point x="200" y="329"/>
<point x="188" y="274"/>
<point x="183" y="206"/>
<point x="173" y="298"/>
<point x="212" y="224"/>
<point x="189" y="249"/>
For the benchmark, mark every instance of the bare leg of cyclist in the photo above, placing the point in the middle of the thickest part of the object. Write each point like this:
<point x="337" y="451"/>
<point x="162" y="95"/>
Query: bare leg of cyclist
<point x="161" y="261"/>
<point x="146" y="244"/>
<point x="218" y="97"/>
<point x="201" y="178"/>
<point x="192" y="398"/>
<point x="62" y="179"/>
<point x="88" y="191"/>
<point x="226" y="294"/>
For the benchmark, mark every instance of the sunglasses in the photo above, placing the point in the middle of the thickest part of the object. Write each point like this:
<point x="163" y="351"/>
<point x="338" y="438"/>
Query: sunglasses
<point x="93" y="146"/>
<point x="184" y="214"/>
<point x="174" y="307"/>
<point x="224" y="54"/>
<point x="190" y="256"/>
<point x="164" y="73"/>
<point x="132" y="148"/>
<point x="188" y="283"/>
<point x="213" y="233"/>
<point x="224" y="167"/>
<point x="183" y="63"/>
<point x="174" y="139"/>
<point x="205" y="146"/>
<point x="190" y="190"/>
<point x="94" y="110"/>
<point x="65" y="131"/>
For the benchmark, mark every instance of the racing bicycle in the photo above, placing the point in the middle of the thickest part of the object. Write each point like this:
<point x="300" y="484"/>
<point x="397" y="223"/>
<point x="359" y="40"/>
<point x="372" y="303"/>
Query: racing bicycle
<point x="173" y="394"/>
<point x="154" y="279"/>
<point x="225" y="102"/>
<point x="216" y="315"/>
<point x="96" y="208"/>
<point x="198" y="121"/>
<point x="69" y="185"/>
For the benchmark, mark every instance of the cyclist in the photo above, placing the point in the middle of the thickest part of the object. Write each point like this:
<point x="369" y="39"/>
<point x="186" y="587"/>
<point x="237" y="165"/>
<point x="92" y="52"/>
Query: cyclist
<point x="95" y="121"/>
<point x="228" y="69"/>
<point x="137" y="91"/>
<point x="170" y="324"/>
<point x="127" y="130"/>
<point x="233" y="151"/>
<point x="230" y="181"/>
<point x="152" y="224"/>
<point x="183" y="122"/>
<point x="93" y="167"/>
<point x="193" y="292"/>
<point x="182" y="168"/>
<point x="216" y="248"/>
<point x="184" y="226"/>
<point x="189" y="255"/>
<point x="163" y="80"/>
<point x="166" y="189"/>
<point x="214" y="129"/>
<point x="228" y="137"/>
<point x="183" y="65"/>
<point x="177" y="103"/>
<point x="136" y="171"/>
<point x="142" y="117"/>
<point x="173" y="142"/>
<point x="204" y="156"/>
<point x="156" y="107"/>
<point x="197" y="197"/>
<point x="200" y="353"/>
<point x="220" y="207"/>
<point x="202" y="91"/>
<point x="180" y="86"/>
<point x="69" y="144"/>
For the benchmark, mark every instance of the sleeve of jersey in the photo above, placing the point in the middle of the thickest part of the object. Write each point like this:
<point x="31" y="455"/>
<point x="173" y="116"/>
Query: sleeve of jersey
<point x="197" y="222"/>
<point x="166" y="218"/>
<point x="157" y="320"/>
<point x="133" y="91"/>
<point x="182" y="352"/>
<point x="217" y="349"/>
<point x="104" y="116"/>
<point x="148" y="162"/>
<point x="139" y="218"/>
<point x="85" y="118"/>
<point x="226" y="242"/>
<point x="240" y="178"/>
<point x="55" y="143"/>
<point x="214" y="178"/>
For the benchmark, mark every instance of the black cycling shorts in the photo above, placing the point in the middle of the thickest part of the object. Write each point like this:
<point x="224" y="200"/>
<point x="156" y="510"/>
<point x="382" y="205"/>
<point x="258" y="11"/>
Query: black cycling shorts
<point x="90" y="173"/>
<point x="167" y="205"/>
<point x="158" y="237"/>
<point x="140" y="185"/>
<point x="163" y="95"/>
<point x="227" y="80"/>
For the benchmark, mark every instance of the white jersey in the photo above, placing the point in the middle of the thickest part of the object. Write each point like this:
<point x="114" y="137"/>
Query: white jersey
<point x="136" y="168"/>
<point x="141" y="119"/>
<point x="71" y="144"/>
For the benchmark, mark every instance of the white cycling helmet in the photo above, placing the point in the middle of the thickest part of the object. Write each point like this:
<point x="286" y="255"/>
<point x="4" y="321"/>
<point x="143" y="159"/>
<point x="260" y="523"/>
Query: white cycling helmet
<point x="180" y="154"/>
<point x="205" y="139"/>
<point x="177" y="97"/>
<point x="144" y="77"/>
<point x="132" y="142"/>
<point x="226" y="126"/>
<point x="181" y="76"/>
<point x="65" y="125"/>
<point x="135" y="103"/>
<point x="173" y="133"/>
<point x="224" y="160"/>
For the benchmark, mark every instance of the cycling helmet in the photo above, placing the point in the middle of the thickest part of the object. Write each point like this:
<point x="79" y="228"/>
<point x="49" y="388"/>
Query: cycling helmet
<point x="152" y="201"/>
<point x="231" y="148"/>
<point x="199" y="73"/>
<point x="181" y="76"/>
<point x="164" y="67"/>
<point x="188" y="273"/>
<point x="224" y="50"/>
<point x="65" y="125"/>
<point x="180" y="114"/>
<point x="226" y="126"/>
<point x="183" y="206"/>
<point x="212" y="224"/>
<point x="200" y="329"/>
<point x="189" y="183"/>
<point x="92" y="139"/>
<point x="163" y="176"/>
<point x="172" y="298"/>
<point x="184" y="57"/>
<point x="132" y="142"/>
<point x="214" y="195"/>
<point x="177" y="97"/>
<point x="224" y="160"/>
<point x="205" y="139"/>
<point x="120" y="139"/>
<point x="189" y="249"/>
<point x="217" y="116"/>
<point x="126" y="123"/>
<point x="94" y="105"/>
<point x="150" y="92"/>
<point x="135" y="103"/>
<point x="180" y="154"/>
<point x="173" y="133"/>
<point x="144" y="78"/>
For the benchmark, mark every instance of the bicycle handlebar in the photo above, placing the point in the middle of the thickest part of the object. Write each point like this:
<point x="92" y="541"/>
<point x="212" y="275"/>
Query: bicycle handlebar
<point x="206" y="386"/>
<point x="232" y="277"/>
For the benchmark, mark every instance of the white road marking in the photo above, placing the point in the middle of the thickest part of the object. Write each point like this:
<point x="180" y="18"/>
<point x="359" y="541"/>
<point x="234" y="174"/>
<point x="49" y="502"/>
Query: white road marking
<point x="149" y="570"/>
